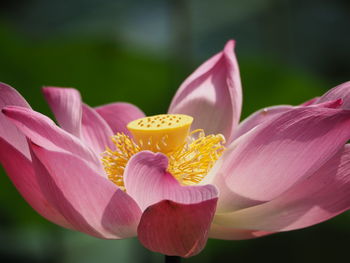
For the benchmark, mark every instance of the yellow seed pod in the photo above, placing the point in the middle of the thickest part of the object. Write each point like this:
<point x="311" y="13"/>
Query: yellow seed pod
<point x="161" y="133"/>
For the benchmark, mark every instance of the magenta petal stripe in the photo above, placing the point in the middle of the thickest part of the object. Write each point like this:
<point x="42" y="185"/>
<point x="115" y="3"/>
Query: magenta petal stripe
<point x="9" y="132"/>
<point x="66" y="105"/>
<point x="341" y="91"/>
<point x="321" y="196"/>
<point x="20" y="170"/>
<point x="118" y="115"/>
<point x="277" y="154"/>
<point x="212" y="95"/>
<point x="90" y="202"/>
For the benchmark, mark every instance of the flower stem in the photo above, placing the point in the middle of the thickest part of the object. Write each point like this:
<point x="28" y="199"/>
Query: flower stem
<point x="172" y="259"/>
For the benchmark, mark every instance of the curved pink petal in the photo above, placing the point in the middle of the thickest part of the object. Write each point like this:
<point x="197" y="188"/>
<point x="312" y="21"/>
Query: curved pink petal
<point x="176" y="218"/>
<point x="66" y="105"/>
<point x="341" y="91"/>
<point x="176" y="229"/>
<point x="258" y="117"/>
<point x="148" y="182"/>
<point x="95" y="131"/>
<point x="44" y="132"/>
<point x="226" y="233"/>
<point x="118" y="115"/>
<point x="20" y="170"/>
<point x="321" y="196"/>
<point x="89" y="202"/>
<point x="212" y="95"/>
<point x="275" y="155"/>
<point x="9" y="96"/>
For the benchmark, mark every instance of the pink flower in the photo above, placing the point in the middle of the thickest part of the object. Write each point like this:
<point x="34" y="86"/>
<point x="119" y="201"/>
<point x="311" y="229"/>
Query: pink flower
<point x="283" y="168"/>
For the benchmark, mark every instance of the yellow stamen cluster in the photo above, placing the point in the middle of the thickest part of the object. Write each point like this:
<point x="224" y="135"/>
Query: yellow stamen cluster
<point x="191" y="155"/>
<point x="114" y="161"/>
<point x="190" y="163"/>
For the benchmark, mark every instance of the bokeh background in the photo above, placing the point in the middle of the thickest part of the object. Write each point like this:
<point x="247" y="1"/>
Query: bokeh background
<point x="140" y="51"/>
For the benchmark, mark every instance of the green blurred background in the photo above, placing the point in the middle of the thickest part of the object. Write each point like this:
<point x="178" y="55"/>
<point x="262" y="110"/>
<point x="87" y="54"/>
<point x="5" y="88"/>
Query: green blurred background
<point x="140" y="52"/>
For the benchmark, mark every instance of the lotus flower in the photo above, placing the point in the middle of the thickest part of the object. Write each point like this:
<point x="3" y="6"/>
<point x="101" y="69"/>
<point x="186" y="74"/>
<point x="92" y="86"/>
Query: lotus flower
<point x="176" y="179"/>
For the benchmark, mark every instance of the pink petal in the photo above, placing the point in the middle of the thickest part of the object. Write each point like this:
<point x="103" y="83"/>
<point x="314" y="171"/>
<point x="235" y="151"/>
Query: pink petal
<point x="228" y="201"/>
<point x="19" y="169"/>
<point x="321" y="196"/>
<point x="78" y="118"/>
<point x="118" y="115"/>
<point x="44" y="132"/>
<point x="212" y="95"/>
<point x="95" y="131"/>
<point x="226" y="233"/>
<point x="339" y="92"/>
<point x="275" y="155"/>
<point x="176" y="218"/>
<point x="90" y="202"/>
<point x="267" y="114"/>
<point x="9" y="132"/>
<point x="66" y="105"/>
<point x="148" y="182"/>
<point x="176" y="229"/>
<point x="260" y="116"/>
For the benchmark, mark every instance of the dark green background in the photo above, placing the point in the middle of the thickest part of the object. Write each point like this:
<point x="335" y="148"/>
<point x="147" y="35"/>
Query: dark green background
<point x="140" y="52"/>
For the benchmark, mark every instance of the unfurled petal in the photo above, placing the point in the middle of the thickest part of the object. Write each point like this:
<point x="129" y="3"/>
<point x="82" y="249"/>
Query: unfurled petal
<point x="212" y="95"/>
<point x="226" y="233"/>
<point x="44" y="132"/>
<point x="274" y="156"/>
<point x="260" y="116"/>
<point x="118" y="115"/>
<point x="321" y="196"/>
<point x="20" y="170"/>
<point x="339" y="92"/>
<point x="66" y="105"/>
<point x="90" y="202"/>
<point x="8" y="131"/>
<point x="95" y="131"/>
<point x="176" y="218"/>
<point x="148" y="182"/>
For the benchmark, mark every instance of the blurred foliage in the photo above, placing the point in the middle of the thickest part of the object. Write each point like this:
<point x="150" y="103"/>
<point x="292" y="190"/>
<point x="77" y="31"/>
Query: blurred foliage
<point x="140" y="53"/>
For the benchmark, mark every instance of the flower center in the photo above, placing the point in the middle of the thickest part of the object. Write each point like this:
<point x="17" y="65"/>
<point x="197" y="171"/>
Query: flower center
<point x="191" y="154"/>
